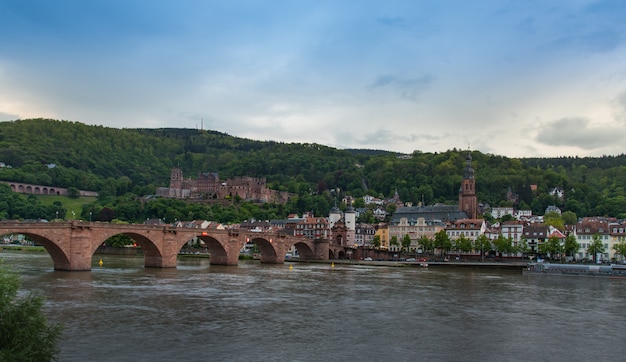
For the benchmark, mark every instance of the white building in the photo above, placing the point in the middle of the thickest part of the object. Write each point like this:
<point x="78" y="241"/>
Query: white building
<point x="499" y="212"/>
<point x="470" y="228"/>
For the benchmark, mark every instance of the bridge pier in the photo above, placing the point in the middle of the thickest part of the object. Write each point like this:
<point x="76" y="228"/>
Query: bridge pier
<point x="322" y="247"/>
<point x="157" y="261"/>
<point x="219" y="256"/>
<point x="224" y="259"/>
<point x="77" y="258"/>
<point x="164" y="255"/>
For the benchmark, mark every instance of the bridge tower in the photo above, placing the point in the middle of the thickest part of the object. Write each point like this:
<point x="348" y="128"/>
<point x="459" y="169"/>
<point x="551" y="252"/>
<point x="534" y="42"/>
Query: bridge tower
<point x="334" y="216"/>
<point x="350" y="221"/>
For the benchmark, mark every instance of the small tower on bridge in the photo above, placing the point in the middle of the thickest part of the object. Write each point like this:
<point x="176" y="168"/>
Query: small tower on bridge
<point x="334" y="216"/>
<point x="342" y="226"/>
<point x="350" y="220"/>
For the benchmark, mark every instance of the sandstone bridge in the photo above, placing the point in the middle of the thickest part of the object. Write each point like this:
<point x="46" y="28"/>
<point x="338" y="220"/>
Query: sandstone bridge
<point x="72" y="244"/>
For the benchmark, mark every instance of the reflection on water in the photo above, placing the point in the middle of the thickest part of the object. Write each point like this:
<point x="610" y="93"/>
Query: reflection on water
<point x="314" y="312"/>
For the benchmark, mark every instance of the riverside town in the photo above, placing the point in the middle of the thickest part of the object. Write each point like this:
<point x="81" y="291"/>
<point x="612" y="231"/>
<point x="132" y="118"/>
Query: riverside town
<point x="466" y="232"/>
<point x="303" y="252"/>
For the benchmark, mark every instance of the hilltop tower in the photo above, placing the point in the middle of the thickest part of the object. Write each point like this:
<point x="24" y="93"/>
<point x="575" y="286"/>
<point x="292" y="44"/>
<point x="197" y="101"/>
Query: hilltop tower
<point x="176" y="179"/>
<point x="468" y="201"/>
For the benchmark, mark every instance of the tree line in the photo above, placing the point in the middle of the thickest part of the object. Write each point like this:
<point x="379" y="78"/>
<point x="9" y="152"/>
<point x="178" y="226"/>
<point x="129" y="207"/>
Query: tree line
<point x="125" y="165"/>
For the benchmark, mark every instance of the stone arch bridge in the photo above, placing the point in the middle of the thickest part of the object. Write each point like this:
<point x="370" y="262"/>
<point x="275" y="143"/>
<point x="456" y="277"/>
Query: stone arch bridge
<point x="72" y="244"/>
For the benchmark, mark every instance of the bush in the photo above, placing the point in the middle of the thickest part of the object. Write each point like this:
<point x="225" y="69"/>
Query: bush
<point x="73" y="193"/>
<point x="25" y="334"/>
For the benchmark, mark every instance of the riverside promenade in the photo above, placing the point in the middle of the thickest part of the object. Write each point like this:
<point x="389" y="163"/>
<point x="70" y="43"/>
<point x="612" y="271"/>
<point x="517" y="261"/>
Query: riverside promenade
<point x="509" y="265"/>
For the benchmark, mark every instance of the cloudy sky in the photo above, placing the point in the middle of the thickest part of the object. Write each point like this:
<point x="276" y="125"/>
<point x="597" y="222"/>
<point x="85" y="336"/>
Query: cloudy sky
<point x="515" y="78"/>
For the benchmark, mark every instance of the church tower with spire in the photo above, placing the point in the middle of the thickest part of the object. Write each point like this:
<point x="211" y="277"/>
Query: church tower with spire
<point x="468" y="201"/>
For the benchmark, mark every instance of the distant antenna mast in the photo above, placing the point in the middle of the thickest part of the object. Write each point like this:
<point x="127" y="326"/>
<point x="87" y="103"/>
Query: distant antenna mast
<point x="201" y="124"/>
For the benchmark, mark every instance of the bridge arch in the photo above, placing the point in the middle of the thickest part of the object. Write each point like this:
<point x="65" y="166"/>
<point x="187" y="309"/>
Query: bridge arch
<point x="59" y="257"/>
<point x="151" y="253"/>
<point x="305" y="251"/>
<point x="160" y="246"/>
<point x="218" y="252"/>
<point x="271" y="252"/>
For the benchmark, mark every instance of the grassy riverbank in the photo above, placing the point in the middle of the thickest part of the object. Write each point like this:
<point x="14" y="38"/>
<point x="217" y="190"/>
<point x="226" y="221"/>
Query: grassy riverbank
<point x="22" y="248"/>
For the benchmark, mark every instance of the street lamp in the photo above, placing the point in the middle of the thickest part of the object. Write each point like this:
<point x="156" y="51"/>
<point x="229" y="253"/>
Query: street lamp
<point x="561" y="243"/>
<point x="89" y="216"/>
<point x="482" y="251"/>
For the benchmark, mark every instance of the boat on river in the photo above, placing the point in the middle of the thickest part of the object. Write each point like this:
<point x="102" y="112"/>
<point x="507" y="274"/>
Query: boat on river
<point x="612" y="270"/>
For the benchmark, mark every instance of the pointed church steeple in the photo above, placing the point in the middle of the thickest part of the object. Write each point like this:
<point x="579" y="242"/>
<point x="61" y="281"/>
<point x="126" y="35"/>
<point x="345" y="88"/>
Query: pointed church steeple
<point x="468" y="173"/>
<point x="468" y="201"/>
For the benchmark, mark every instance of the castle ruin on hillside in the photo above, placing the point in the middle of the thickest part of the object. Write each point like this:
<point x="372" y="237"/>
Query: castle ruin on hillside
<point x="209" y="187"/>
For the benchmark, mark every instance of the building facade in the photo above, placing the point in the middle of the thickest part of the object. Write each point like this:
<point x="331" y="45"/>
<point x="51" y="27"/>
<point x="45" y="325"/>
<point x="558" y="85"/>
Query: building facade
<point x="415" y="229"/>
<point x="468" y="228"/>
<point x="364" y="234"/>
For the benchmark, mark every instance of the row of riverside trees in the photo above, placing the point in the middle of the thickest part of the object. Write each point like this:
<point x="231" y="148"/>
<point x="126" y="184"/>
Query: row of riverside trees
<point x="442" y="244"/>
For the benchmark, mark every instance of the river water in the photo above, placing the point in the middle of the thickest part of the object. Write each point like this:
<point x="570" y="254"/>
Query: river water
<point x="316" y="312"/>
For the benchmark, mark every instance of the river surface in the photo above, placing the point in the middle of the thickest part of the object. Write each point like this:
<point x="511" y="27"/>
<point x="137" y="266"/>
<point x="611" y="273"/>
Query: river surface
<point x="316" y="312"/>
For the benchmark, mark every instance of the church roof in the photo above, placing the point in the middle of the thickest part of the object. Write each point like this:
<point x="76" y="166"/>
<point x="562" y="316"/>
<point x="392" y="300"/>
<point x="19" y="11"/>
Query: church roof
<point x="434" y="212"/>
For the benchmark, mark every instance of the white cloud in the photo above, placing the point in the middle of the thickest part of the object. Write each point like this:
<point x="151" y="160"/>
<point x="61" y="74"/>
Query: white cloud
<point x="406" y="88"/>
<point x="398" y="76"/>
<point x="619" y="105"/>
<point x="578" y="133"/>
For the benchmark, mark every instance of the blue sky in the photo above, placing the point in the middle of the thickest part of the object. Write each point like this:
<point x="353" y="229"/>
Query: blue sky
<point x="515" y="78"/>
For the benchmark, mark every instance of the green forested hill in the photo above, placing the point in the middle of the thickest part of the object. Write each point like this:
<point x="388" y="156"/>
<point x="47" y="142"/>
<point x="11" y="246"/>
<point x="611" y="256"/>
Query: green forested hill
<point x="118" y="161"/>
<point x="146" y="156"/>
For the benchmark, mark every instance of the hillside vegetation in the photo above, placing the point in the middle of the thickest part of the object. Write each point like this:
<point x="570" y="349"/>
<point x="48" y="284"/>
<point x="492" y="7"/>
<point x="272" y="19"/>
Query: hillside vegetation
<point x="123" y="164"/>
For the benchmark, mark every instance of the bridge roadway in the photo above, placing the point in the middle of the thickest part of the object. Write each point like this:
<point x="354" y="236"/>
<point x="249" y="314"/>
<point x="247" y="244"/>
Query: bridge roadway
<point x="72" y="244"/>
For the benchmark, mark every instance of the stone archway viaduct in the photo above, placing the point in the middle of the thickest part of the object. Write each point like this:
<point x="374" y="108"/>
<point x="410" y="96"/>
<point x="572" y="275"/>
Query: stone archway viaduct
<point x="72" y="244"/>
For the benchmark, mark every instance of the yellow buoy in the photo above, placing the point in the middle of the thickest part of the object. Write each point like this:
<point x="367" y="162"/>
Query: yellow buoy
<point x="100" y="262"/>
